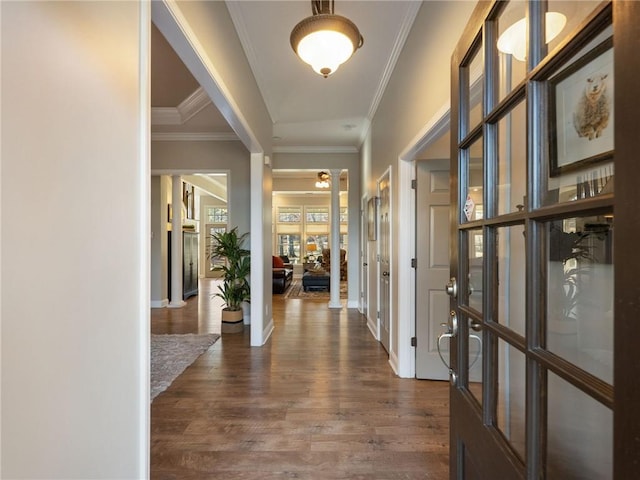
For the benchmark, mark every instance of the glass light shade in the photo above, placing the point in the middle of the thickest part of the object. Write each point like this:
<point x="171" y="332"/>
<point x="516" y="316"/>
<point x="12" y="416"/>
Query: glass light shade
<point x="325" y="50"/>
<point x="514" y="39"/>
<point x="325" y="41"/>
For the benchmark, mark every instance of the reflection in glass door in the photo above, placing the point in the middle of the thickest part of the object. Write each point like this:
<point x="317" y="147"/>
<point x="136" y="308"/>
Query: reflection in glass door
<point x="532" y="378"/>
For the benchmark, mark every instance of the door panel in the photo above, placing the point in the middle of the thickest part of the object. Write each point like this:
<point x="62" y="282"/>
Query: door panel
<point x="432" y="303"/>
<point x="364" y="259"/>
<point x="533" y="251"/>
<point x="385" y="263"/>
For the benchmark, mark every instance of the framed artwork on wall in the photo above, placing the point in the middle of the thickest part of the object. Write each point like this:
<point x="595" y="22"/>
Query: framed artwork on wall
<point x="372" y="219"/>
<point x="188" y="199"/>
<point x="581" y="111"/>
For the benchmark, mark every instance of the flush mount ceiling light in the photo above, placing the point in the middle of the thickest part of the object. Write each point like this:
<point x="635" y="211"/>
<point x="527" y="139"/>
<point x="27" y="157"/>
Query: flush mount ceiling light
<point x="325" y="40"/>
<point x="323" y="180"/>
<point x="514" y="39"/>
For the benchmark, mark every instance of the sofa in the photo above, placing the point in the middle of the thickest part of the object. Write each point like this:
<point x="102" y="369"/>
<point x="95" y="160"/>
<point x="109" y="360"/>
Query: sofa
<point x="282" y="275"/>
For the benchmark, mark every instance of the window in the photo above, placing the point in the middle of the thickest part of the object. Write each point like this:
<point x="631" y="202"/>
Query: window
<point x="344" y="215"/>
<point x="302" y="232"/>
<point x="217" y="215"/>
<point x="317" y="215"/>
<point x="289" y="245"/>
<point x="289" y="215"/>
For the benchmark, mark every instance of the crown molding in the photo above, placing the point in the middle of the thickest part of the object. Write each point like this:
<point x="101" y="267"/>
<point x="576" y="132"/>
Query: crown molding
<point x="193" y="137"/>
<point x="191" y="105"/>
<point x="439" y="124"/>
<point x="165" y="116"/>
<point x="317" y="149"/>
<point x="184" y="112"/>
<point x="401" y="38"/>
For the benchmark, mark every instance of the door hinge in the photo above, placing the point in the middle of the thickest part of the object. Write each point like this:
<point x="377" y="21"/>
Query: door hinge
<point x="414" y="263"/>
<point x="378" y="315"/>
<point x="414" y="184"/>
<point x="414" y="341"/>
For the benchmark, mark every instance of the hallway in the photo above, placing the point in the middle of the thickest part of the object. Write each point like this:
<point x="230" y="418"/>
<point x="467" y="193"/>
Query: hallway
<point x="319" y="401"/>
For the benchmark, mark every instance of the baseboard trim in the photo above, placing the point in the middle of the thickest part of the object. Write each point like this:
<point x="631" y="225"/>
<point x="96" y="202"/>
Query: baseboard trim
<point x="160" y="303"/>
<point x="268" y="330"/>
<point x="393" y="361"/>
<point x="372" y="328"/>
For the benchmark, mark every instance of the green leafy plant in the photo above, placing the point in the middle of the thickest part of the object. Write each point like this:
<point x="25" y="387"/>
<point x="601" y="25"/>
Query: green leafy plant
<point x="235" y="287"/>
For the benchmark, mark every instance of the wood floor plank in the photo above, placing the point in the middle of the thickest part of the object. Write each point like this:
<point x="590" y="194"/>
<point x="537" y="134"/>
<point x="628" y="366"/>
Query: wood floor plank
<point x="319" y="401"/>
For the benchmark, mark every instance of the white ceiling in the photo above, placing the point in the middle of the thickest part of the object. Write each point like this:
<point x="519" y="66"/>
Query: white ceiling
<point x="308" y="111"/>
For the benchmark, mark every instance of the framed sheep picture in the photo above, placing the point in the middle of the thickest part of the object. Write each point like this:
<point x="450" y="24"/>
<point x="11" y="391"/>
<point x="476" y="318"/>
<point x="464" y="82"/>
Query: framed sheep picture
<point x="581" y="111"/>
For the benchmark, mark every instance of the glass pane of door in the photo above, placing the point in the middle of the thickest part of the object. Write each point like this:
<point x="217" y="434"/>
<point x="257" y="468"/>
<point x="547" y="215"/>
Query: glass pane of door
<point x="474" y="91"/>
<point x="512" y="47"/>
<point x="512" y="160"/>
<point x="474" y="358"/>
<point x="579" y="434"/>
<point x="473" y="208"/>
<point x="582" y="124"/>
<point x="511" y="278"/>
<point x="580" y="293"/>
<point x="512" y="396"/>
<point x="475" y="267"/>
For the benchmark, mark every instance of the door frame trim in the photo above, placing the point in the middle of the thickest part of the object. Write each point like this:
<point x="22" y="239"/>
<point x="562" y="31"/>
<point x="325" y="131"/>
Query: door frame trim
<point x="388" y="172"/>
<point x="406" y="299"/>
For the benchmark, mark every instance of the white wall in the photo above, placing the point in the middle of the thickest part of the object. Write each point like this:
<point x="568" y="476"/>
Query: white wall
<point x="418" y="88"/>
<point x="75" y="289"/>
<point x="209" y="156"/>
<point x="261" y="266"/>
<point x="160" y="189"/>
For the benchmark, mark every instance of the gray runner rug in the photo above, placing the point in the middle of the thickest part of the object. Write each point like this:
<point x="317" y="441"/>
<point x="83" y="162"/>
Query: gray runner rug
<point x="172" y="354"/>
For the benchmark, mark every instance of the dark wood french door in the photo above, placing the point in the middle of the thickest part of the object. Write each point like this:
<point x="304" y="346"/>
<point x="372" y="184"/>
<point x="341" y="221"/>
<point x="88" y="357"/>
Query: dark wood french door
<point x="541" y="126"/>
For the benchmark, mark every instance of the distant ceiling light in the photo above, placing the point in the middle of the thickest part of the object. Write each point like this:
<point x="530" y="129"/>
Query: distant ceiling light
<point x="325" y="40"/>
<point x="514" y="39"/>
<point x="323" y="180"/>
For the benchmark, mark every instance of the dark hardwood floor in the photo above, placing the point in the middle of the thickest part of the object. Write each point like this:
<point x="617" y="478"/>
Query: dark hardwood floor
<point x="318" y="401"/>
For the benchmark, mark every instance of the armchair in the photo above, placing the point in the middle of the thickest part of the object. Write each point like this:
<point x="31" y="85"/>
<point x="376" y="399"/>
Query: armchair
<point x="285" y="260"/>
<point x="326" y="261"/>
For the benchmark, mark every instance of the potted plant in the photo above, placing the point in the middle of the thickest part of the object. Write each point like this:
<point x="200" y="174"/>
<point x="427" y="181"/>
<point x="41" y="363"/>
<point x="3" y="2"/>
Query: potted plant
<point x="235" y="288"/>
<point x="570" y="254"/>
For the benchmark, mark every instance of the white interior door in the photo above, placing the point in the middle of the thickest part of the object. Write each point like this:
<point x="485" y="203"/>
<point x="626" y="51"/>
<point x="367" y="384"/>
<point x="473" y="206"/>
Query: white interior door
<point x="432" y="273"/>
<point x="384" y="270"/>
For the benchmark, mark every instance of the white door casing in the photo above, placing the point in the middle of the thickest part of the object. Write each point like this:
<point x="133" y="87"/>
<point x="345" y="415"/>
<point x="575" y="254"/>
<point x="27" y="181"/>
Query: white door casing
<point x="384" y="260"/>
<point x="363" y="300"/>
